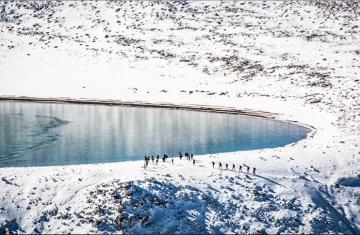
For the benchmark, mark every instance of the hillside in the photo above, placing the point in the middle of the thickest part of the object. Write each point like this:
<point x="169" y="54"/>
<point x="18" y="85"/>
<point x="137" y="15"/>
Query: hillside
<point x="297" y="59"/>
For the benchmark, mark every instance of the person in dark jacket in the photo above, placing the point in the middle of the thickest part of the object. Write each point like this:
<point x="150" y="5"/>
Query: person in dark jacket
<point x="145" y="161"/>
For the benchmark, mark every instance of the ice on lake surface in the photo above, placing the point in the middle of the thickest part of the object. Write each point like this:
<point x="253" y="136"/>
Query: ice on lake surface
<point x="43" y="134"/>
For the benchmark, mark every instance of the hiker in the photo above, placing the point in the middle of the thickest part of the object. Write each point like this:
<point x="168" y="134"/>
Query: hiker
<point x="172" y="161"/>
<point x="145" y="161"/>
<point x="233" y="168"/>
<point x="213" y="163"/>
<point x="248" y="168"/>
<point x="240" y="168"/>
<point x="254" y="170"/>
<point x="193" y="162"/>
<point x="220" y="165"/>
<point x="227" y="166"/>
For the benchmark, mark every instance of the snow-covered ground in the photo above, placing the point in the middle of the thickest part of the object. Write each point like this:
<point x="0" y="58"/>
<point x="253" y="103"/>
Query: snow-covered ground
<point x="297" y="59"/>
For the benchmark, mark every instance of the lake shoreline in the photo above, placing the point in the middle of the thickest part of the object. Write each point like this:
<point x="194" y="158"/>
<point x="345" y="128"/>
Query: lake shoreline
<point x="188" y="107"/>
<point x="241" y="133"/>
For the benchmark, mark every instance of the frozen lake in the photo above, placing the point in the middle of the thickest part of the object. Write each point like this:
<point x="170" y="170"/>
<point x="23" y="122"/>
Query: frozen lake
<point x="43" y="134"/>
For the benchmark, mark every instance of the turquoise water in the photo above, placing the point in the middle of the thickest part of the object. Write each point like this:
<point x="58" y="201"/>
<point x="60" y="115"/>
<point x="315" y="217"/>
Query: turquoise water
<point x="43" y="134"/>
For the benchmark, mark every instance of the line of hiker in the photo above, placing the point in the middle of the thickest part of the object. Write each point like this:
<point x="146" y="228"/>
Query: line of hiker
<point x="188" y="156"/>
<point x="163" y="158"/>
<point x="234" y="167"/>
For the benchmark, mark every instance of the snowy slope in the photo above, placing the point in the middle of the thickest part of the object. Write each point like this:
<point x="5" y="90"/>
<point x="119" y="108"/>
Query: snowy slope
<point x="298" y="59"/>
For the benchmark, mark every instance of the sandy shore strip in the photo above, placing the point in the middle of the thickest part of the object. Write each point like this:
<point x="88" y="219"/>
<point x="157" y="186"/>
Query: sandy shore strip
<point x="190" y="107"/>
